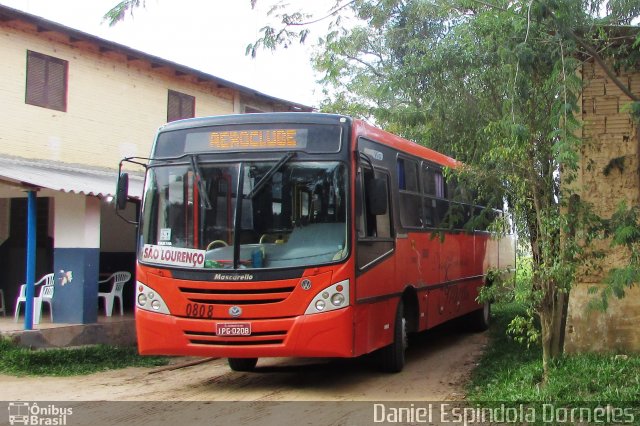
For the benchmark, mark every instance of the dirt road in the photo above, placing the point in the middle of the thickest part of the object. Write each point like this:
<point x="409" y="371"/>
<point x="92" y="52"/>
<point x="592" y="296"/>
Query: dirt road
<point x="438" y="364"/>
<point x="281" y="391"/>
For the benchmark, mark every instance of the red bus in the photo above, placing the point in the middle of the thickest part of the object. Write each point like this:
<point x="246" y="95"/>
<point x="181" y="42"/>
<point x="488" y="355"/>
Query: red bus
<point x="301" y="235"/>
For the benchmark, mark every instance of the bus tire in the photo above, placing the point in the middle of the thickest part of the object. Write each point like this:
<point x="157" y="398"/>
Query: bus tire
<point x="393" y="356"/>
<point x="242" y="364"/>
<point x="480" y="320"/>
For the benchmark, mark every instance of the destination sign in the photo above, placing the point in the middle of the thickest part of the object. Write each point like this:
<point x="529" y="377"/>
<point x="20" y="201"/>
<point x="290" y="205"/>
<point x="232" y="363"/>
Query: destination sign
<point x="311" y="138"/>
<point x="259" y="139"/>
<point x="174" y="256"/>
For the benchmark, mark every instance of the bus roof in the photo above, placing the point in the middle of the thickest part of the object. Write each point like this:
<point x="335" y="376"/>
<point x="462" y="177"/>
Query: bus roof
<point x="365" y="129"/>
<point x="360" y="127"/>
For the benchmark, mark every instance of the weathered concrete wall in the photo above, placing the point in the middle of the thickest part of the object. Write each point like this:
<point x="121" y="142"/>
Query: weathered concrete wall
<point x="608" y="176"/>
<point x="119" y="333"/>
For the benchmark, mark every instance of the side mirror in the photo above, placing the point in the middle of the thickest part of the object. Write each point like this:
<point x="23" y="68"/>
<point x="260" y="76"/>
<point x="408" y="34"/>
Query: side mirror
<point x="377" y="197"/>
<point x="122" y="191"/>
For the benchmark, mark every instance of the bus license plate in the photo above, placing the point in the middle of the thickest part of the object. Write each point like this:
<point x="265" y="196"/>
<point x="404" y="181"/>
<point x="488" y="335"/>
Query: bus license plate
<point x="234" y="329"/>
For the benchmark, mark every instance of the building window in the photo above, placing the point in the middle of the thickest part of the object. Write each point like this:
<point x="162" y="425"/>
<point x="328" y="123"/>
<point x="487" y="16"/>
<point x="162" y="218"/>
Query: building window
<point x="251" y="110"/>
<point x="46" y="81"/>
<point x="180" y="106"/>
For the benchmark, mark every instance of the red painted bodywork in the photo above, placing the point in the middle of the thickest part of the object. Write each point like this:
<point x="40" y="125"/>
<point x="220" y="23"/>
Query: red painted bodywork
<point x="444" y="276"/>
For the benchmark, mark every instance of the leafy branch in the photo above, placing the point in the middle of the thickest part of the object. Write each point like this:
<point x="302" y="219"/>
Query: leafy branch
<point x="273" y="38"/>
<point x="119" y="11"/>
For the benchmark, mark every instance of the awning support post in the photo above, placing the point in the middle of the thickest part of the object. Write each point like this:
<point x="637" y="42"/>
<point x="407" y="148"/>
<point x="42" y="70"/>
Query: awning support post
<point x="31" y="259"/>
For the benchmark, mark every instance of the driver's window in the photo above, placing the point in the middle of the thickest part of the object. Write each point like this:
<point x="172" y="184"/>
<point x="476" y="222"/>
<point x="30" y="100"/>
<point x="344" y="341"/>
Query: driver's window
<point x="374" y="231"/>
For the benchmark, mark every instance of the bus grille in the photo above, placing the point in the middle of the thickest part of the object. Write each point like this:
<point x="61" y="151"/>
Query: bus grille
<point x="244" y="296"/>
<point x="256" y="338"/>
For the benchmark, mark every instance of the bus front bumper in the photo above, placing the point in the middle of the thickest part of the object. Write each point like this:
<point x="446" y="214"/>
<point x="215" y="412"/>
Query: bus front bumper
<point x="328" y="334"/>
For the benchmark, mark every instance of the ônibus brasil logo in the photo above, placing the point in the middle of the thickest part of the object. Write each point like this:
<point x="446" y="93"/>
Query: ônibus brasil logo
<point x="30" y="413"/>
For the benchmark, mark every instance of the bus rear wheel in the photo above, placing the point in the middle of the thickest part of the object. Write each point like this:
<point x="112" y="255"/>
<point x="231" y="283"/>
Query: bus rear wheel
<point x="242" y="364"/>
<point x="480" y="320"/>
<point x="393" y="356"/>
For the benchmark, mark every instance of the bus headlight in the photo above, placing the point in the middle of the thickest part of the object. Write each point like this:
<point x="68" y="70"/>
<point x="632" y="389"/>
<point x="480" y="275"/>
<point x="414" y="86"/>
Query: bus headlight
<point x="142" y="299"/>
<point x="149" y="300"/>
<point x="330" y="298"/>
<point x="337" y="299"/>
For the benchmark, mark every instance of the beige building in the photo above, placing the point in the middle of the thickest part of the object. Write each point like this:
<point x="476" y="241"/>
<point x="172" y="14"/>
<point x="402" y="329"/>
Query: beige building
<point x="608" y="175"/>
<point x="73" y="105"/>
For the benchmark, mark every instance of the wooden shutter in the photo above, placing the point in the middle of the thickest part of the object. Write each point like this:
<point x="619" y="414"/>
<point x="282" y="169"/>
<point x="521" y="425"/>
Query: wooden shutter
<point x="46" y="84"/>
<point x="57" y="85"/>
<point x="180" y="106"/>
<point x="36" y="80"/>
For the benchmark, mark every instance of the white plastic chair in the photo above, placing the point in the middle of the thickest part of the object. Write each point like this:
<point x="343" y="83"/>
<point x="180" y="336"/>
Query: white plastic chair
<point x="119" y="278"/>
<point x="45" y="295"/>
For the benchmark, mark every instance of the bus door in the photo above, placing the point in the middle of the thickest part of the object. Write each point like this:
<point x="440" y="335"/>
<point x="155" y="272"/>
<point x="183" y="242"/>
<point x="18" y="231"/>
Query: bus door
<point x="375" y="265"/>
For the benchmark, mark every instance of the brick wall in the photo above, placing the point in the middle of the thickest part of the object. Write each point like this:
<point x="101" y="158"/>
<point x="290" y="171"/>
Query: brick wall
<point x="608" y="134"/>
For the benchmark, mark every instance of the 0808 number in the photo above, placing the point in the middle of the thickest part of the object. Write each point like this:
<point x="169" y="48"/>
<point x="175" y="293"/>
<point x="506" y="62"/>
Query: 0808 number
<point x="199" y="310"/>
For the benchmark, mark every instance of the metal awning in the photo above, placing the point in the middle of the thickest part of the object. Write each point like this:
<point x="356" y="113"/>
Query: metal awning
<point x="64" y="177"/>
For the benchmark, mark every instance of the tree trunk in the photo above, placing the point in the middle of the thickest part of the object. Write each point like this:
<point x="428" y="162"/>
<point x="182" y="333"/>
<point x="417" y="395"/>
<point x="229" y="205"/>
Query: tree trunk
<point x="561" y="298"/>
<point x="559" y="324"/>
<point x="546" y="325"/>
<point x="552" y="323"/>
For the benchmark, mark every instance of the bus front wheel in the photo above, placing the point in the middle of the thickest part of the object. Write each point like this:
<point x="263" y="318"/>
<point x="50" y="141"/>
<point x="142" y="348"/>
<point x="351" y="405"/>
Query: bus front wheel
<point x="393" y="356"/>
<point x="242" y="364"/>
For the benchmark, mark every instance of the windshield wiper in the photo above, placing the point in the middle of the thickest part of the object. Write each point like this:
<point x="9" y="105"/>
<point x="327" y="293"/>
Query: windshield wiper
<point x="273" y="170"/>
<point x="202" y="189"/>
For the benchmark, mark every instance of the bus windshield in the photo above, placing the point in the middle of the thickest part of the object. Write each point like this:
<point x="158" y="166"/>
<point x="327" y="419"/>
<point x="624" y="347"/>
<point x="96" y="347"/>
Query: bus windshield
<point x="289" y="214"/>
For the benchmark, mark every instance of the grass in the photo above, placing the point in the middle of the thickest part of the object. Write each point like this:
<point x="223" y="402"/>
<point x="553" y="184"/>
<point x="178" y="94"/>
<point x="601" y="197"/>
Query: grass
<point x="511" y="373"/>
<point x="21" y="361"/>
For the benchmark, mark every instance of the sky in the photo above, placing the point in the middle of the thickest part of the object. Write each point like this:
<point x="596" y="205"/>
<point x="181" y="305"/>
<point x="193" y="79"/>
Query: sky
<point x="207" y="35"/>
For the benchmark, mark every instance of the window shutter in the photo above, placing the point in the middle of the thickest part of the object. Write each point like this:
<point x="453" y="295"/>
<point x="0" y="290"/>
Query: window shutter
<point x="46" y="84"/>
<point x="57" y="87"/>
<point x="188" y="106"/>
<point x="173" y="107"/>
<point x="180" y="105"/>
<point x="36" y="80"/>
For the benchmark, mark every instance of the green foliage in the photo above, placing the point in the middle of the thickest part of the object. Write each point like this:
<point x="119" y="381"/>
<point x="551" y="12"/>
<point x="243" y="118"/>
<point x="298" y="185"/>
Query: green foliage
<point x="120" y="10"/>
<point x="624" y="231"/>
<point x="524" y="330"/>
<point x="634" y="109"/>
<point x="68" y="362"/>
<point x="517" y="291"/>
<point x="510" y="372"/>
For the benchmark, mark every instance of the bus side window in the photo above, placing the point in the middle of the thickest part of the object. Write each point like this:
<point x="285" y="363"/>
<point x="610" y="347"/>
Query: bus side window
<point x="374" y="231"/>
<point x="434" y="190"/>
<point x="373" y="225"/>
<point x="410" y="196"/>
